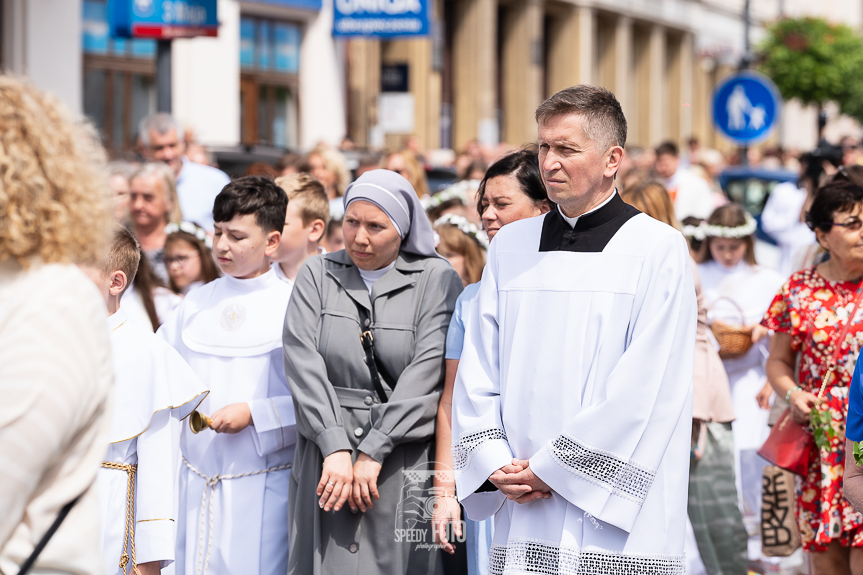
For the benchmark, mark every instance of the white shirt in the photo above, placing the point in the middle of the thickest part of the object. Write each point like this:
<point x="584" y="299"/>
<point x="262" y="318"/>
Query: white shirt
<point x="691" y="194"/>
<point x="370" y="277"/>
<point x="197" y="187"/>
<point x="164" y="300"/>
<point x="573" y="221"/>
<point x="781" y="220"/>
<point x="281" y="274"/>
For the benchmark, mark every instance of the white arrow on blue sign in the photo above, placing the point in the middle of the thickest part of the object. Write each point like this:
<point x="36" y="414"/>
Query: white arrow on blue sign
<point x="746" y="107"/>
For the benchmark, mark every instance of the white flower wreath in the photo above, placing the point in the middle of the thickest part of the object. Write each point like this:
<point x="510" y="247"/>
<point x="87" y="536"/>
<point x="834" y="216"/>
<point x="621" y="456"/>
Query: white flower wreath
<point x="704" y="230"/>
<point x="191" y="229"/>
<point x="464" y="227"/>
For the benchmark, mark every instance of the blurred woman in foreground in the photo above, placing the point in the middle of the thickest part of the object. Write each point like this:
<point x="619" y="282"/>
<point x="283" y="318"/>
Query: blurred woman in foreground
<point x="55" y="367"/>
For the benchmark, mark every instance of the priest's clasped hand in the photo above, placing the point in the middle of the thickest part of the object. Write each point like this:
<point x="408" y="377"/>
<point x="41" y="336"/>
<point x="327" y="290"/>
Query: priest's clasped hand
<point x="232" y="418"/>
<point x="519" y="483"/>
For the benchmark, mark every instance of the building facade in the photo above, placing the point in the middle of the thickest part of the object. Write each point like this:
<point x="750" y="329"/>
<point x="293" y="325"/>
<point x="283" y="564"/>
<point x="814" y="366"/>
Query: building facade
<point x="277" y="76"/>
<point x="489" y="64"/>
<point x="273" y="75"/>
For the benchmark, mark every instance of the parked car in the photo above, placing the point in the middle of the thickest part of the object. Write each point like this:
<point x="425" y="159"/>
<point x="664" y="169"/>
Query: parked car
<point x="751" y="186"/>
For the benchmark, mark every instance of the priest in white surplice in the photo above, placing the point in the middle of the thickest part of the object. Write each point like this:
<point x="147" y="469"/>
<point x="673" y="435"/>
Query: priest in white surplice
<point x="573" y="401"/>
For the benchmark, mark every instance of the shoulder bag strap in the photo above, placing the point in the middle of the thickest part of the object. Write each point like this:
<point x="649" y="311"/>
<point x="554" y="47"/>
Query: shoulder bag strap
<point x="367" y="338"/>
<point x="837" y="344"/>
<point x="28" y="564"/>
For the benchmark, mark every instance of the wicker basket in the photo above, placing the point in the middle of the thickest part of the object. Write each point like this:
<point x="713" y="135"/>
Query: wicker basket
<point x="734" y="340"/>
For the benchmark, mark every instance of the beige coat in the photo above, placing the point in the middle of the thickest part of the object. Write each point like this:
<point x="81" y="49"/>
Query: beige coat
<point x="56" y="380"/>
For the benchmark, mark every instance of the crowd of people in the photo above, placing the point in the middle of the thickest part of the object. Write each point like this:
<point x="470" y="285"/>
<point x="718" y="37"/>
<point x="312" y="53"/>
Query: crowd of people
<point x="324" y="368"/>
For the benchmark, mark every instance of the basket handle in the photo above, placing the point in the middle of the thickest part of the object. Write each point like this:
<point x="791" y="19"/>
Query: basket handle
<point x="734" y="303"/>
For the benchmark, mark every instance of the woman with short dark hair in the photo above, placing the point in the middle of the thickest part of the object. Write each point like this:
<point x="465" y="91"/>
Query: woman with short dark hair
<point x="511" y="190"/>
<point x="808" y="317"/>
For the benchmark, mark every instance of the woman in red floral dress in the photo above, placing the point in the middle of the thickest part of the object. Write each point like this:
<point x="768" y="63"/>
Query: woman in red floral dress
<point x="808" y="315"/>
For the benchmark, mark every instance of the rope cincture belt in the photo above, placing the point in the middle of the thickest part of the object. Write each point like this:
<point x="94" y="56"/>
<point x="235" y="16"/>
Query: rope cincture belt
<point x="207" y="502"/>
<point x="129" y="535"/>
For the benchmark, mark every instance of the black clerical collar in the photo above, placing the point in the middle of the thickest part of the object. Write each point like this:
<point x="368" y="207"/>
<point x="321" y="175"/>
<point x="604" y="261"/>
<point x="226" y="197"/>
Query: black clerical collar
<point x="592" y="231"/>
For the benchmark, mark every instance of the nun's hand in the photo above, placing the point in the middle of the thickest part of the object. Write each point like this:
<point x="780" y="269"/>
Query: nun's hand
<point x="337" y="476"/>
<point x="365" y="489"/>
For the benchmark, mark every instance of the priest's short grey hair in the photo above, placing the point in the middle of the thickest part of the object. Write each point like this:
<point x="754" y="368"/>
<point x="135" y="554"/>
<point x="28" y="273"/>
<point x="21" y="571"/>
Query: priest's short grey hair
<point x="161" y="123"/>
<point x="604" y="123"/>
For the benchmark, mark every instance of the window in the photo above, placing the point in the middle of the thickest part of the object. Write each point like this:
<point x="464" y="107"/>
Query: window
<point x="119" y="85"/>
<point x="269" y="64"/>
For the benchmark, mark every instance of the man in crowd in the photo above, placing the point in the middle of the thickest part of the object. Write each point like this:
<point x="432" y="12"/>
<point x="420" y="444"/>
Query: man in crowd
<point x="197" y="185"/>
<point x="691" y="193"/>
<point x="572" y="409"/>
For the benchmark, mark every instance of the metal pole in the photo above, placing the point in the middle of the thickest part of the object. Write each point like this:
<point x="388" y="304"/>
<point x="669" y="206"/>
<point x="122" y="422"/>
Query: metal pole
<point x="744" y="65"/>
<point x="163" y="76"/>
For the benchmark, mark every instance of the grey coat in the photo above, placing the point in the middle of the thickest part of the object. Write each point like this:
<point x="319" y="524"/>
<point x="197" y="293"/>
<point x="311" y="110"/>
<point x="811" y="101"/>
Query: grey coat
<point x="337" y="409"/>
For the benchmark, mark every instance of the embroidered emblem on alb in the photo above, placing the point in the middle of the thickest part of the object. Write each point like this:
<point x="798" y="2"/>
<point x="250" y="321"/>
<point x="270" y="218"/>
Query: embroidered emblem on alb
<point x="233" y="316"/>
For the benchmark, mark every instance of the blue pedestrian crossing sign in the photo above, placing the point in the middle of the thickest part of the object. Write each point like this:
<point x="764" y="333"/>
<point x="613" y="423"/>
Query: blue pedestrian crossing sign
<point x="746" y="107"/>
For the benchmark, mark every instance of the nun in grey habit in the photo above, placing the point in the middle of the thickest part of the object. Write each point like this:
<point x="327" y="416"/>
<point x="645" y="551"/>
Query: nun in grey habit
<point x="361" y="495"/>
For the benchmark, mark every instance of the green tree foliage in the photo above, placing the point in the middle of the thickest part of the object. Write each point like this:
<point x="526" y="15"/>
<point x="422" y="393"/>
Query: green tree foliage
<point x="815" y="61"/>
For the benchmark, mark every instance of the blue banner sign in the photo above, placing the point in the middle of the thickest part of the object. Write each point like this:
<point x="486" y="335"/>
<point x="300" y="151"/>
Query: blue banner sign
<point x="381" y="18"/>
<point x="746" y="107"/>
<point x="163" y="19"/>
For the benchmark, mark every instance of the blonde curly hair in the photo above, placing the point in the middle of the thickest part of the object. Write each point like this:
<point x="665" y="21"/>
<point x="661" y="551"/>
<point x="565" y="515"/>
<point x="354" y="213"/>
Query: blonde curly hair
<point x="54" y="194"/>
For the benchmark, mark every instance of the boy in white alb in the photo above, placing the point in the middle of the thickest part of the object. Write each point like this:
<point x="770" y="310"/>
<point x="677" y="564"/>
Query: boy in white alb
<point x="305" y="225"/>
<point x="235" y="474"/>
<point x="154" y="390"/>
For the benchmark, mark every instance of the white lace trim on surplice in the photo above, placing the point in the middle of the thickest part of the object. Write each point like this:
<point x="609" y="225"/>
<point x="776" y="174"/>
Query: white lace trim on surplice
<point x="603" y="468"/>
<point x="470" y="442"/>
<point x="545" y="558"/>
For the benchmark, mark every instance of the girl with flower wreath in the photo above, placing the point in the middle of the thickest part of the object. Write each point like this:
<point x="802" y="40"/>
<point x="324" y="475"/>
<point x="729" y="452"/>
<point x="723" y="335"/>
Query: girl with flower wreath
<point x="808" y="316"/>
<point x="189" y="257"/>
<point x="463" y="245"/>
<point x="737" y="292"/>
